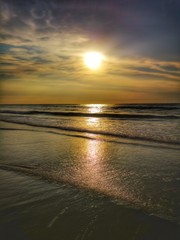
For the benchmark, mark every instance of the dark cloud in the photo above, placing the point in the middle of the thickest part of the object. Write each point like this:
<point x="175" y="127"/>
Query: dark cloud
<point x="6" y="76"/>
<point x="7" y="47"/>
<point x="172" y="69"/>
<point x="149" y="29"/>
<point x="44" y="40"/>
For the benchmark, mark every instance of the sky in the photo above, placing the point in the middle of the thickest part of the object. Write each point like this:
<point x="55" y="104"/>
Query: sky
<point x="42" y="44"/>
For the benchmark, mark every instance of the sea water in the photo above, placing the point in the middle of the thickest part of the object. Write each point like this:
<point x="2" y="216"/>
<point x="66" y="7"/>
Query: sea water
<point x="126" y="153"/>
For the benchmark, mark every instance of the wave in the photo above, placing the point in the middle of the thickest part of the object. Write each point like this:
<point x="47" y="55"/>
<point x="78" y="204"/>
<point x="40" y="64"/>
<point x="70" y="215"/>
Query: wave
<point x="101" y="133"/>
<point x="148" y="106"/>
<point x="98" y="115"/>
<point x="90" y="138"/>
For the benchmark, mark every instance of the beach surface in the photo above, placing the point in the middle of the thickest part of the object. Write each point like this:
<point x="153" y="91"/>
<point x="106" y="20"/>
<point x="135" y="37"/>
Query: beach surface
<point x="65" y="186"/>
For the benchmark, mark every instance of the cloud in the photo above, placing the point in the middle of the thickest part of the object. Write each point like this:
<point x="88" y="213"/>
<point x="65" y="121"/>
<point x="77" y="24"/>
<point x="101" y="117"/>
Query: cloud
<point x="43" y="42"/>
<point x="124" y="27"/>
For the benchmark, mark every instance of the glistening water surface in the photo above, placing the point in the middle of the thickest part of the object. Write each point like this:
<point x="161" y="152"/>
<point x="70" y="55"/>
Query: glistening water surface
<point x="97" y="175"/>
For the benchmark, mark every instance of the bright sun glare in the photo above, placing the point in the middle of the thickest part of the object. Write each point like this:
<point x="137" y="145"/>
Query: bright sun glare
<point x="93" y="60"/>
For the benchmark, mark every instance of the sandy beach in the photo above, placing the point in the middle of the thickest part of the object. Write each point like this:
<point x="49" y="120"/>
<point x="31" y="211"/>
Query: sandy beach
<point x="62" y="187"/>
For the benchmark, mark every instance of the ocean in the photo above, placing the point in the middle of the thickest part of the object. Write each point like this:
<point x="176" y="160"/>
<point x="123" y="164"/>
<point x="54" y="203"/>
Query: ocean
<point x="90" y="171"/>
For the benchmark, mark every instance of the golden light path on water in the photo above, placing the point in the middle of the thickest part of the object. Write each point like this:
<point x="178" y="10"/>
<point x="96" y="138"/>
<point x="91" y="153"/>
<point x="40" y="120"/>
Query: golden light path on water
<point x="95" y="108"/>
<point x="94" y="122"/>
<point x="94" y="170"/>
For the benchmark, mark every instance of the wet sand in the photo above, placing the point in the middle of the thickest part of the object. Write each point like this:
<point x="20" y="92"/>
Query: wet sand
<point x="33" y="209"/>
<point x="45" y="199"/>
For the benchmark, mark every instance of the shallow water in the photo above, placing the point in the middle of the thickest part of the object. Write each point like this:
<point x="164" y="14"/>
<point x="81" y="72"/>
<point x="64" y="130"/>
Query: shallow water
<point x="154" y="123"/>
<point x="35" y="209"/>
<point x="82" y="185"/>
<point x="143" y="177"/>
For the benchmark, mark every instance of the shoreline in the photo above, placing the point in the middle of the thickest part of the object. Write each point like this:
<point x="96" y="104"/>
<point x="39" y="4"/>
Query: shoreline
<point x="57" y="216"/>
<point x="36" y="206"/>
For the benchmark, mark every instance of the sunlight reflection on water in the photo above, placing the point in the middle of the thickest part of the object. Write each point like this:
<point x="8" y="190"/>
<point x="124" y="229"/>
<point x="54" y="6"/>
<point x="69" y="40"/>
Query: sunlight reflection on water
<point x="92" y="121"/>
<point x="94" y="171"/>
<point x="95" y="108"/>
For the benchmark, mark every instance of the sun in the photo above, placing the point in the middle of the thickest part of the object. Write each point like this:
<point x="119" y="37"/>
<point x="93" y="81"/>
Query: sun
<point x="93" y="60"/>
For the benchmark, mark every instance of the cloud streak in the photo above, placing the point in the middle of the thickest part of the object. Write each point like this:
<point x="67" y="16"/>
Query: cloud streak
<point x="42" y="43"/>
